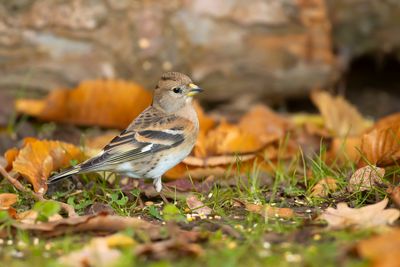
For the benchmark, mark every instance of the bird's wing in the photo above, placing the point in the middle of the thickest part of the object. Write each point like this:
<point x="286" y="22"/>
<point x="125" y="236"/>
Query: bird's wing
<point x="149" y="133"/>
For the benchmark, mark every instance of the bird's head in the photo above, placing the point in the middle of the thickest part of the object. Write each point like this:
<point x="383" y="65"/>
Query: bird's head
<point x="173" y="91"/>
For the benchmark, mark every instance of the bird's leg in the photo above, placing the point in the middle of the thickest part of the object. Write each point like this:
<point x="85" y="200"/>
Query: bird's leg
<point x="157" y="183"/>
<point x="158" y="186"/>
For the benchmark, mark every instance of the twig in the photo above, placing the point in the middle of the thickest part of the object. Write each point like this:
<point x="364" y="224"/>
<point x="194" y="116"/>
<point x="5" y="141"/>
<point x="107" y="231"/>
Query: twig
<point x="39" y="197"/>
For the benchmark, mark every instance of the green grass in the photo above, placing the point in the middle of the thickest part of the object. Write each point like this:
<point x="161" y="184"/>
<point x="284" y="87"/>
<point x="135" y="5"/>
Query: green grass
<point x="258" y="241"/>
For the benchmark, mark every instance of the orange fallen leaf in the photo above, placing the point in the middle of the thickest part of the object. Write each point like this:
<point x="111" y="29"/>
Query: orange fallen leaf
<point x="38" y="158"/>
<point x="381" y="145"/>
<point x="365" y="178"/>
<point x="229" y="139"/>
<point x="107" y="103"/>
<point x="323" y="187"/>
<point x="365" y="217"/>
<point x="10" y="156"/>
<point x="381" y="250"/>
<point x="268" y="211"/>
<point x="343" y="150"/>
<point x="340" y="117"/>
<point x="205" y="122"/>
<point x="388" y="121"/>
<point x="7" y="200"/>
<point x="264" y="123"/>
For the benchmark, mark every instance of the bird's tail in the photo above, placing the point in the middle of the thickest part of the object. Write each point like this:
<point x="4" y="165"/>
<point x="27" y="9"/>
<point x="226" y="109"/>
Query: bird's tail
<point x="64" y="174"/>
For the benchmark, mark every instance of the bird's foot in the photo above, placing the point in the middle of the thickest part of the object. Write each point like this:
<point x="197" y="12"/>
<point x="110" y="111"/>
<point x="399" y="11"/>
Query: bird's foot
<point x="157" y="183"/>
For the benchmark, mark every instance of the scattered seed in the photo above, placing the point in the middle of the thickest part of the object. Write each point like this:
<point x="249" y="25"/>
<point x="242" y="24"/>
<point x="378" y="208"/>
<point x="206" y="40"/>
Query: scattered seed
<point x="317" y="237"/>
<point x="48" y="246"/>
<point x="289" y="257"/>
<point x="266" y="245"/>
<point x="232" y="245"/>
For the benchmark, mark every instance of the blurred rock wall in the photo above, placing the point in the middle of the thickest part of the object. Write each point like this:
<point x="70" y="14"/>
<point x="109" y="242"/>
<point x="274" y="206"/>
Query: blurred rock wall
<point x="237" y="49"/>
<point x="231" y="47"/>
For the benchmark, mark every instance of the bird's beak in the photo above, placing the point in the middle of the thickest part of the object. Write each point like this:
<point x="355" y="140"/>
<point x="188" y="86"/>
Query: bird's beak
<point x="194" y="89"/>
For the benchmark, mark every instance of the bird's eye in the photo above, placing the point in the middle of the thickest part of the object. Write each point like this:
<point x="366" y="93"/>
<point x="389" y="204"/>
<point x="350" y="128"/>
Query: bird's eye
<point x="177" y="90"/>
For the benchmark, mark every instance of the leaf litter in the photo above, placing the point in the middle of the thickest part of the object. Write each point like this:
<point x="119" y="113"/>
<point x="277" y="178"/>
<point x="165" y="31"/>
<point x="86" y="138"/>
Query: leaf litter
<point x="228" y="155"/>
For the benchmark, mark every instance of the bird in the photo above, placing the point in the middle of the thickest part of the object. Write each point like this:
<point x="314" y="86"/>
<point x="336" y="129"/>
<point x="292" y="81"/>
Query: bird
<point x="155" y="141"/>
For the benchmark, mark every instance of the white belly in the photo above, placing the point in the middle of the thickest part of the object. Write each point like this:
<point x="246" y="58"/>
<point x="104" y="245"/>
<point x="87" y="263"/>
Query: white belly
<point x="167" y="162"/>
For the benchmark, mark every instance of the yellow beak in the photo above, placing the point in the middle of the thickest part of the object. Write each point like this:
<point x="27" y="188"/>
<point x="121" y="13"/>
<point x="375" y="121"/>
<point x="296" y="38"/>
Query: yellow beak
<point x="194" y="89"/>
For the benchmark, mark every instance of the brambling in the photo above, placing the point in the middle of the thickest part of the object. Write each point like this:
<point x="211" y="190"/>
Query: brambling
<point x="157" y="140"/>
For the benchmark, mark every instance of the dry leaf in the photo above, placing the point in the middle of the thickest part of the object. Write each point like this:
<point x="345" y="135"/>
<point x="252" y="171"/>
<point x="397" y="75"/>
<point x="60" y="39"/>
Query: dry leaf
<point x="181" y="243"/>
<point x="197" y="206"/>
<point x="100" y="222"/>
<point x="365" y="217"/>
<point x="7" y="200"/>
<point x="394" y="194"/>
<point x="262" y="122"/>
<point x="344" y="150"/>
<point x="229" y="139"/>
<point x="365" y="178"/>
<point x="382" y="250"/>
<point x="10" y="156"/>
<point x="99" y="252"/>
<point x="38" y="158"/>
<point x="107" y="103"/>
<point x="381" y="146"/>
<point x="268" y="211"/>
<point x="340" y="117"/>
<point x="30" y="217"/>
<point x="205" y="122"/>
<point x="324" y="187"/>
<point x="388" y="121"/>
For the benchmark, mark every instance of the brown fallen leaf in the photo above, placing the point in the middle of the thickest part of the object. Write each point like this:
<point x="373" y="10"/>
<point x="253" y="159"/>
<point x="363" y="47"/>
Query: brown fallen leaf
<point x="181" y="243"/>
<point x="107" y="103"/>
<point x="101" y="222"/>
<point x="381" y="250"/>
<point x="365" y="178"/>
<point x="381" y="145"/>
<point x="38" y="158"/>
<point x="101" y="251"/>
<point x="365" y="217"/>
<point x="197" y="206"/>
<point x="323" y="187"/>
<point x="30" y="217"/>
<point x="394" y="194"/>
<point x="340" y="117"/>
<point x="268" y="211"/>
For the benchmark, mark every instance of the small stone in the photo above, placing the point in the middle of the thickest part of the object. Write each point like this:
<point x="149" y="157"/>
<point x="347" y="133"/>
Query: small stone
<point x="148" y="203"/>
